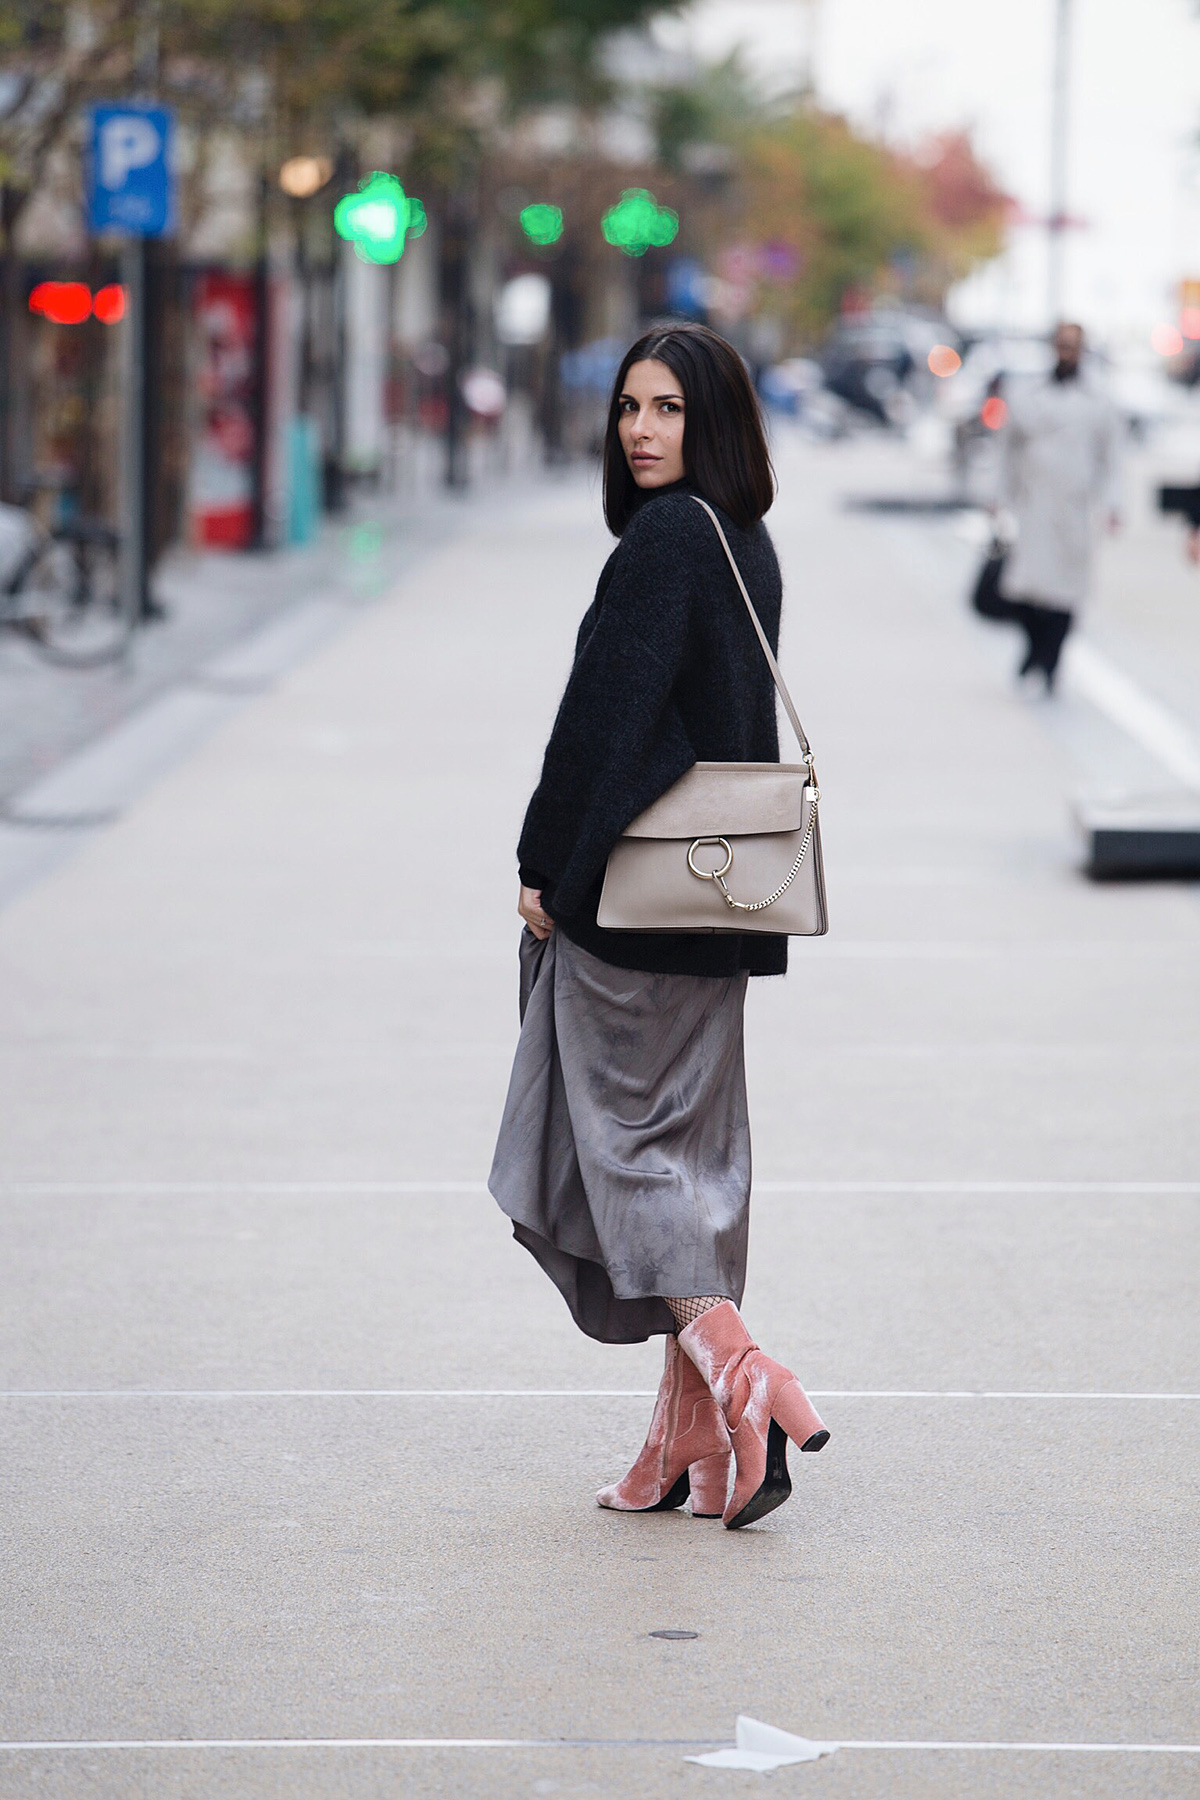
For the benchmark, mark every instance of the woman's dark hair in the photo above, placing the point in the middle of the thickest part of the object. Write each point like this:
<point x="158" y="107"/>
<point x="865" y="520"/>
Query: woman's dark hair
<point x="725" y="451"/>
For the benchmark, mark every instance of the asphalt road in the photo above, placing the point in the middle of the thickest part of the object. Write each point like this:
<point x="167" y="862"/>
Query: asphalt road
<point x="300" y="1449"/>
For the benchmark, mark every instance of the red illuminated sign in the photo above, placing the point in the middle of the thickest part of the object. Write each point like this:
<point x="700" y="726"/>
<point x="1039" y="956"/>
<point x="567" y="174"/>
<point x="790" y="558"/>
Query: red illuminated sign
<point x="62" y="302"/>
<point x="108" y="303"/>
<point x="71" y="302"/>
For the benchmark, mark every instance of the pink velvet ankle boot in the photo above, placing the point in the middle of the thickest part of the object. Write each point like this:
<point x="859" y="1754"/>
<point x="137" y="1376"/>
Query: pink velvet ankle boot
<point x="686" y="1449"/>
<point x="763" y="1403"/>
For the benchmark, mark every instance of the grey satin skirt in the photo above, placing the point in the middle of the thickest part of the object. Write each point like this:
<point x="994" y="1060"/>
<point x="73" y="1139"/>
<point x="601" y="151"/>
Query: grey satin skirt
<point x="624" y="1152"/>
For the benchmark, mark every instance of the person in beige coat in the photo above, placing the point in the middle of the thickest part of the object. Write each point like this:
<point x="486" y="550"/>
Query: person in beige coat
<point x="1059" y="481"/>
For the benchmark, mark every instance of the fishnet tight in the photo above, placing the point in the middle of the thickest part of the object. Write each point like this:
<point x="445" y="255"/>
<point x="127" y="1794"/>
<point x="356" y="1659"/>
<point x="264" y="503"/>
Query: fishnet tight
<point x="685" y="1310"/>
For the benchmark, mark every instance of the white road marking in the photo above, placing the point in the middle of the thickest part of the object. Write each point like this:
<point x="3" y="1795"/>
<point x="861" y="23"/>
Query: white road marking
<point x="52" y="1744"/>
<point x="1137" y="713"/>
<point x="221" y="1189"/>
<point x="1074" y="1749"/>
<point x="956" y="950"/>
<point x="350" y="1189"/>
<point x="546" y="1394"/>
<point x="977" y="1187"/>
<point x="112" y="1052"/>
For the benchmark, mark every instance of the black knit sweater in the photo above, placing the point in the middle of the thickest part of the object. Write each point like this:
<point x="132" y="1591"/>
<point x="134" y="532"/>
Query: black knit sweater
<point x="667" y="672"/>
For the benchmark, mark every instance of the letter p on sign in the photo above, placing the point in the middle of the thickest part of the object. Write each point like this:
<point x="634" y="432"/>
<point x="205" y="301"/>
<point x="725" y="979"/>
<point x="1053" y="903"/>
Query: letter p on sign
<point x="128" y="141"/>
<point x="130" y="186"/>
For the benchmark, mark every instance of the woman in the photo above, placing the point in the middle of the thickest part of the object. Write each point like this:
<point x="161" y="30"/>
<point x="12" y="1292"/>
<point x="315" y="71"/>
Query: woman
<point x="624" y="1152"/>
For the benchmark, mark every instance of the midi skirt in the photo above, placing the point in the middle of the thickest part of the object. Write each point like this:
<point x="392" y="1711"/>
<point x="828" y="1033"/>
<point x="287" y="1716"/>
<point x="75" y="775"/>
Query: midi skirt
<point x="623" y="1158"/>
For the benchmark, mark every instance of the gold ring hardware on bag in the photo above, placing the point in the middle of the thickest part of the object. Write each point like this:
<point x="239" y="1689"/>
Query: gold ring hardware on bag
<point x="711" y="874"/>
<point x="718" y="875"/>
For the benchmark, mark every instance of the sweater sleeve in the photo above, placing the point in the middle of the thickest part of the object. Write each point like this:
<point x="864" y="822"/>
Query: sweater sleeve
<point x="618" y="740"/>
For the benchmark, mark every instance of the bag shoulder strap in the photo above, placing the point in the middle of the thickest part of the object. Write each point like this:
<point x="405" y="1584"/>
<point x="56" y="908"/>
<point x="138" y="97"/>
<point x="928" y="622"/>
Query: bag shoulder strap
<point x="776" y="672"/>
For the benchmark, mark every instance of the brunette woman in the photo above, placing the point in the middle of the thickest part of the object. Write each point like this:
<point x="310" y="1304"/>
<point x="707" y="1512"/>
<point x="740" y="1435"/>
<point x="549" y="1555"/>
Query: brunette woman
<point x="624" y="1152"/>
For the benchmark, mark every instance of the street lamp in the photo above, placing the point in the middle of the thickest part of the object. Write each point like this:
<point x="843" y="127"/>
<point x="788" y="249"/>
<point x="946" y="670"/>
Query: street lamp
<point x="303" y="176"/>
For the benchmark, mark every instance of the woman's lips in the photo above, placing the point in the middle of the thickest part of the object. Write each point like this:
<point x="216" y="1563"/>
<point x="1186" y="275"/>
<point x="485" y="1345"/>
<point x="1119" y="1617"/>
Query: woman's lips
<point x="642" y="456"/>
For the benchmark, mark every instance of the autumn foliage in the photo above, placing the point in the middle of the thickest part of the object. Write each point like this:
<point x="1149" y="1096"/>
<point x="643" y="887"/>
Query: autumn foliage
<point x="858" y="217"/>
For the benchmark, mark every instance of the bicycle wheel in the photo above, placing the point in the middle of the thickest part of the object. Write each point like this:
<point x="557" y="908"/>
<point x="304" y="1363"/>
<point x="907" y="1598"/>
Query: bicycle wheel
<point x="71" y="599"/>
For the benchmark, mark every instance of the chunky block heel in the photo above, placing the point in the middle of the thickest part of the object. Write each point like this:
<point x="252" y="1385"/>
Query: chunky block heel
<point x="795" y="1413"/>
<point x="763" y="1405"/>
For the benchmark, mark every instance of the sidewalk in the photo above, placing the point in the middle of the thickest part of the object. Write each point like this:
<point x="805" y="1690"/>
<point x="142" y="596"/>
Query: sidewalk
<point x="300" y="1449"/>
<point x="78" y="747"/>
<point x="214" y="601"/>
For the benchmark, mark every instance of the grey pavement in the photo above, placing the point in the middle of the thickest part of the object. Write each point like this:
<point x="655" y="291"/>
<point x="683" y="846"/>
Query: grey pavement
<point x="300" y="1449"/>
<point x="214" y="600"/>
<point x="76" y="746"/>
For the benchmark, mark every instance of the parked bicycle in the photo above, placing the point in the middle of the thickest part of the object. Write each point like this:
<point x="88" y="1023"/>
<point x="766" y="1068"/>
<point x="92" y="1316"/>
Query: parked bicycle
<point x="60" y="588"/>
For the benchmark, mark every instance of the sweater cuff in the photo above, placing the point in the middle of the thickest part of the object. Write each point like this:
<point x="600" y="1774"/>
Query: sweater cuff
<point x="532" y="878"/>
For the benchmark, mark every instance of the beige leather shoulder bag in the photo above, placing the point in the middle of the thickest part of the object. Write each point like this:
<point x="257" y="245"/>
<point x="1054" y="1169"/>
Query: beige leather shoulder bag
<point x="731" y="846"/>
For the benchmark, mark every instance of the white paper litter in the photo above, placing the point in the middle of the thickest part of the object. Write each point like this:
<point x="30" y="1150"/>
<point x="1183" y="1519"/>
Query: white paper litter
<point x="763" y="1748"/>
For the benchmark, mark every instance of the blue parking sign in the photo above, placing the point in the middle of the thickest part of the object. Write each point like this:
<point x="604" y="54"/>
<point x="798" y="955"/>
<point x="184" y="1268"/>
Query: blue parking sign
<point x="130" y="184"/>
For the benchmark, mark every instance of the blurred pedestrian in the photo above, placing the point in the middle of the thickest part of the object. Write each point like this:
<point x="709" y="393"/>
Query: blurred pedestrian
<point x="1059" y="477"/>
<point x="624" y="1152"/>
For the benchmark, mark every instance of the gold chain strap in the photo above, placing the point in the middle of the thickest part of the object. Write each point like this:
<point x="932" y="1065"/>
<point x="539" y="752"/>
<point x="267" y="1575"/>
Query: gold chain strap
<point x="718" y="875"/>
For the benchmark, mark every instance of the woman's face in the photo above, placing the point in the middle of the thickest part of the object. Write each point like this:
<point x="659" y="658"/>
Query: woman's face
<point x="650" y="424"/>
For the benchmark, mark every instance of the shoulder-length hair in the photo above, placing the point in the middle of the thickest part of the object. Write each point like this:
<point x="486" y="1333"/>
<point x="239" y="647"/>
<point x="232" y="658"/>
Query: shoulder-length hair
<point x="725" y="451"/>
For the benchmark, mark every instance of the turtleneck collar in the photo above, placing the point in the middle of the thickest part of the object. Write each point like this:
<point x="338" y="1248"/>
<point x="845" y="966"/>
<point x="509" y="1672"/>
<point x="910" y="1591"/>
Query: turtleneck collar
<point x="684" y="486"/>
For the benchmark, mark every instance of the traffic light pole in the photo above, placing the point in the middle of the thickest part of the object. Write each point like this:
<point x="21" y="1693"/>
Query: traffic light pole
<point x="457" y="330"/>
<point x="260" y="538"/>
<point x="133" y="431"/>
<point x="1059" y="135"/>
<point x="9" y="279"/>
<point x="334" y="496"/>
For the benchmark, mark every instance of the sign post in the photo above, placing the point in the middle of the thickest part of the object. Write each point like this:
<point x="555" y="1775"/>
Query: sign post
<point x="130" y="190"/>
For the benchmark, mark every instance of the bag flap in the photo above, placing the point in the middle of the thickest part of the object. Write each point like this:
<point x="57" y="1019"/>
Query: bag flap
<point x="730" y="799"/>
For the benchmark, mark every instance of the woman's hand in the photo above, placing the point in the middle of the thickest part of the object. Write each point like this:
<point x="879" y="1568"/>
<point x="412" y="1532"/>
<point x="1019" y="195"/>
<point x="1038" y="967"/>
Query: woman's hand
<point x="530" y="908"/>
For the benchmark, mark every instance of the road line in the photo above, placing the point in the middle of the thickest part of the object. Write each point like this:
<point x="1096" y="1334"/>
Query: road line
<point x="951" y="949"/>
<point x="88" y="1744"/>
<point x="1073" y="1749"/>
<point x="1146" y="720"/>
<point x="978" y="1187"/>
<point x="221" y="1189"/>
<point x="344" y="1189"/>
<point x="314" y="1744"/>
<point x="548" y="1394"/>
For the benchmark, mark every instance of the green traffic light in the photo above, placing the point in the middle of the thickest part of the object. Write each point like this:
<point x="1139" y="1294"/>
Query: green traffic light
<point x="541" y="223"/>
<point x="379" y="218"/>
<point x="637" y="223"/>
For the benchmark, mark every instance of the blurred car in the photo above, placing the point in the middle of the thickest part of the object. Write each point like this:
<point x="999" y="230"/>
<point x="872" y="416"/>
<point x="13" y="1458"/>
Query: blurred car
<point x="796" y="388"/>
<point x="867" y="364"/>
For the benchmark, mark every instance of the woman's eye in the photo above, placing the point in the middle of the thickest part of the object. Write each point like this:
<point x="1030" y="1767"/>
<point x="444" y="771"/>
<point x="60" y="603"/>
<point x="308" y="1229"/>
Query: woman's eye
<point x="671" y="406"/>
<point x="628" y="406"/>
